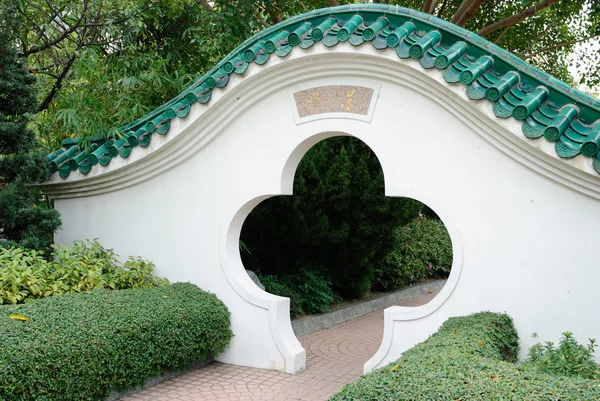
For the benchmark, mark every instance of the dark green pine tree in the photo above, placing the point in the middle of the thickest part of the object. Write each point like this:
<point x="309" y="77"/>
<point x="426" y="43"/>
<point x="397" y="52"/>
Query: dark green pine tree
<point x="338" y="224"/>
<point x="25" y="220"/>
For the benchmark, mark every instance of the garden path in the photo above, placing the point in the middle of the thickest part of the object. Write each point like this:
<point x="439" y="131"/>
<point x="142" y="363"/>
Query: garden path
<point x="334" y="356"/>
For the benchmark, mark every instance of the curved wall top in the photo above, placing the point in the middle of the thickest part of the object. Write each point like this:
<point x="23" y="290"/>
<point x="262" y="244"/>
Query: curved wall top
<point x="567" y="119"/>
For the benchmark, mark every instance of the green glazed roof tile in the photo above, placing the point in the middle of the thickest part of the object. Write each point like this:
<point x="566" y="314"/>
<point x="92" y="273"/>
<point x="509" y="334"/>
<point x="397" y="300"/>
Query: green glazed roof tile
<point x="532" y="129"/>
<point x="579" y="127"/>
<point x="547" y="110"/>
<point x="575" y="136"/>
<point x="451" y="74"/>
<point x="283" y="51"/>
<point x="439" y="22"/>
<point x="517" y="92"/>
<point x="305" y="44"/>
<point x="54" y="155"/>
<point x="502" y="109"/>
<point x="566" y="148"/>
<point x="356" y="40"/>
<point x="261" y="59"/>
<point x="164" y="128"/>
<point x="547" y="106"/>
<point x="541" y="118"/>
<point x="582" y="96"/>
<point x="477" y="40"/>
<point x="458" y="31"/>
<point x="419" y="14"/>
<point x="379" y="42"/>
<point x="476" y="91"/>
<point x="124" y="152"/>
<point x="558" y="84"/>
<point x="427" y="61"/>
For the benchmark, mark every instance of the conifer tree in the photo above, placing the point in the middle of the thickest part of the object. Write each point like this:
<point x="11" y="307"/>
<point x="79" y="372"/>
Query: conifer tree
<point x="338" y="224"/>
<point x="25" y="220"/>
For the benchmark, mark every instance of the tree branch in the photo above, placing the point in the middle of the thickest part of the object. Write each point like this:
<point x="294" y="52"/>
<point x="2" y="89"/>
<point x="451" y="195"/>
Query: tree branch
<point x="58" y="83"/>
<point x="461" y="10"/>
<point x="303" y="5"/>
<point x="63" y="36"/>
<point x="260" y="19"/>
<point x="537" y="38"/>
<point x="442" y="9"/>
<point x="516" y="18"/>
<point x="275" y="14"/>
<point x="426" y="5"/>
<point x="434" y="4"/>
<point x="471" y="11"/>
<point x="501" y="35"/>
<point x="558" y="46"/>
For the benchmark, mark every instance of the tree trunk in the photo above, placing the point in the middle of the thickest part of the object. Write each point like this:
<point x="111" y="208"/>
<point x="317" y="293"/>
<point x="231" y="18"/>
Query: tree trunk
<point x="470" y="12"/>
<point x="516" y="18"/>
<point x="464" y="6"/>
<point x="427" y="6"/>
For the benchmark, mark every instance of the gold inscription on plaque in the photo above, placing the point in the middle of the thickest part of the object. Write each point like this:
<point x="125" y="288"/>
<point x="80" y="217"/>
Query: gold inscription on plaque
<point x="315" y="97"/>
<point x="348" y="105"/>
<point x="333" y="99"/>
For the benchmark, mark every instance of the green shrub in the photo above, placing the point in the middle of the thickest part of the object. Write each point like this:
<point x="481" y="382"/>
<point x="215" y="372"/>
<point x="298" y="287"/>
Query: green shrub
<point x="308" y="290"/>
<point x="422" y="249"/>
<point x="314" y="293"/>
<point x="469" y="359"/>
<point x="82" y="346"/>
<point x="274" y="285"/>
<point x="569" y="359"/>
<point x="26" y="275"/>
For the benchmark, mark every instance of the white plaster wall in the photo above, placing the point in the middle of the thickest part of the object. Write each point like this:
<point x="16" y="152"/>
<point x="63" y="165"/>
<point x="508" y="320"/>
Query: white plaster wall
<point x="524" y="239"/>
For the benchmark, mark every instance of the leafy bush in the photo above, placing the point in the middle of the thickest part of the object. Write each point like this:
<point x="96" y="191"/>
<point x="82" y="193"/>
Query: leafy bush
<point x="569" y="359"/>
<point x="309" y="291"/>
<point x="82" y="346"/>
<point x="276" y="286"/>
<point x="26" y="275"/>
<point x="422" y="249"/>
<point x="469" y="358"/>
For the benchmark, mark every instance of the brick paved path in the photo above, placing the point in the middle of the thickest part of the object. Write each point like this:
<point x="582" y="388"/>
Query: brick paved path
<point x="334" y="357"/>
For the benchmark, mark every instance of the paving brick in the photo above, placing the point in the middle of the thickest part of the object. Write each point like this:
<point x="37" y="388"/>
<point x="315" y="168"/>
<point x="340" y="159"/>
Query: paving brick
<point x="335" y="356"/>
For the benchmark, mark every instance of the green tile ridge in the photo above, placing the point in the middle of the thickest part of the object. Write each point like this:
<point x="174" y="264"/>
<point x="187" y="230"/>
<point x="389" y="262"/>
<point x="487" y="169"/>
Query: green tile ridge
<point x="517" y="89"/>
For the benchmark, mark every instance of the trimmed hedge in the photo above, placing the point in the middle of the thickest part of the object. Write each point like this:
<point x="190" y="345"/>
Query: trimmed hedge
<point x="82" y="346"/>
<point x="470" y="358"/>
<point x="422" y="249"/>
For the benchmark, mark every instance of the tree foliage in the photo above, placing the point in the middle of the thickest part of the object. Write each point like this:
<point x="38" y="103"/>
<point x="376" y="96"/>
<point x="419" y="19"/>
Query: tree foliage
<point x="101" y="64"/>
<point x="338" y="223"/>
<point x="23" y="220"/>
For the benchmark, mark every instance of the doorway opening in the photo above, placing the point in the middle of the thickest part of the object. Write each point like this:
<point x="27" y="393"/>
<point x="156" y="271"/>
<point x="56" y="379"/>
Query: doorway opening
<point x="338" y="239"/>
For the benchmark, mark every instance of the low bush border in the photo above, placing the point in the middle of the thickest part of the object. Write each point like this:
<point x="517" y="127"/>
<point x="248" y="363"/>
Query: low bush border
<point x="470" y="358"/>
<point x="84" y="346"/>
